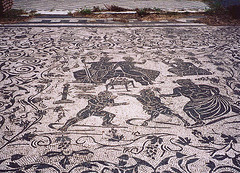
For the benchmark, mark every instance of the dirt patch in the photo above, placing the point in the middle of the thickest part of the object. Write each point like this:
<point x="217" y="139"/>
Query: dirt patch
<point x="170" y="17"/>
<point x="13" y="20"/>
<point x="223" y="19"/>
<point x="148" y="17"/>
<point x="209" y="19"/>
<point x="219" y="20"/>
<point x="14" y="16"/>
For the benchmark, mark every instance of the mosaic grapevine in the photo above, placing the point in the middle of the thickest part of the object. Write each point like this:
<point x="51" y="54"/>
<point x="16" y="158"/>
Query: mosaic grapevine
<point x="120" y="100"/>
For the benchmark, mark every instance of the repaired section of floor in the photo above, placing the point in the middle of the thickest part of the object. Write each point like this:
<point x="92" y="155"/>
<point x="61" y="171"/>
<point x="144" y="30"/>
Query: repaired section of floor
<point x="120" y="100"/>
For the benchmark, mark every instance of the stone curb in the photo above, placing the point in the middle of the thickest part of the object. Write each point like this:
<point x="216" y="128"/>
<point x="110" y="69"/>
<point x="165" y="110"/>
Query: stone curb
<point x="143" y="24"/>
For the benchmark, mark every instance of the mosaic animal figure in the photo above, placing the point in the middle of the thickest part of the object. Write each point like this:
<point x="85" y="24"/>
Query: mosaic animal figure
<point x="120" y="81"/>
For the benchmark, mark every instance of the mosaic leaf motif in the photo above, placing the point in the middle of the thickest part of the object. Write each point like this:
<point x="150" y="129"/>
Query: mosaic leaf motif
<point x="120" y="100"/>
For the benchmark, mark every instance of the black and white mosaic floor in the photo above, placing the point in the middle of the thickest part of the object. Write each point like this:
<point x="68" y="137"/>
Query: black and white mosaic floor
<point x="120" y="100"/>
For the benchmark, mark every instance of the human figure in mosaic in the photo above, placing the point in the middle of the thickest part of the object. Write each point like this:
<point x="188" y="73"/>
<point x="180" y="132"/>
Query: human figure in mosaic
<point x="95" y="107"/>
<point x="144" y="76"/>
<point x="205" y="103"/>
<point x="153" y="106"/>
<point x="101" y="71"/>
<point x="181" y="68"/>
<point x="98" y="71"/>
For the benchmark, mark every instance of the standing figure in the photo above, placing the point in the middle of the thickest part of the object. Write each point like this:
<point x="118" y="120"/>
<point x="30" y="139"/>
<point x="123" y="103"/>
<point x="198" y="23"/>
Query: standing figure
<point x="95" y="107"/>
<point x="205" y="101"/>
<point x="154" y="107"/>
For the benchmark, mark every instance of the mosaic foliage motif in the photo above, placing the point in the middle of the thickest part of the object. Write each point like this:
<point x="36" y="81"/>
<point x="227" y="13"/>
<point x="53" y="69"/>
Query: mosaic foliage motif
<point x="120" y="100"/>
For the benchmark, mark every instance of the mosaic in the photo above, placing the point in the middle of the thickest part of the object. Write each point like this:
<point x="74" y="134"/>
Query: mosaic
<point x="120" y="100"/>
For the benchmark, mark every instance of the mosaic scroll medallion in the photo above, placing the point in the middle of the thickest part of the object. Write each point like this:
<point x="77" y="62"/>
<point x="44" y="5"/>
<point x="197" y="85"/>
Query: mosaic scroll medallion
<point x="120" y="100"/>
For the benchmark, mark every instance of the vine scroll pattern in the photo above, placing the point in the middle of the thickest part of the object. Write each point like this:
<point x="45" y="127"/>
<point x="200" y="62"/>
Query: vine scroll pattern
<point x="120" y="100"/>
